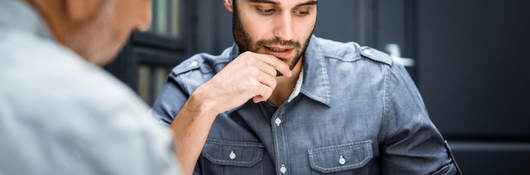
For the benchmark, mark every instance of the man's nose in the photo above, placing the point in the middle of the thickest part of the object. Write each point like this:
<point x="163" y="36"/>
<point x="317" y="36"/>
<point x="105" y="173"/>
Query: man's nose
<point x="283" y="27"/>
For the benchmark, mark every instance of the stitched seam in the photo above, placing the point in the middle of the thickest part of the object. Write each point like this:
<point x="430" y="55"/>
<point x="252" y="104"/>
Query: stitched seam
<point x="340" y="147"/>
<point x="355" y="59"/>
<point x="385" y="102"/>
<point x="309" y="94"/>
<point x="233" y="143"/>
<point x="325" y="79"/>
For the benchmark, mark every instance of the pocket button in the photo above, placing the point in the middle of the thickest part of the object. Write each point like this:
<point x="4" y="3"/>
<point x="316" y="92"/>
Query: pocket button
<point x="342" y="161"/>
<point x="232" y="155"/>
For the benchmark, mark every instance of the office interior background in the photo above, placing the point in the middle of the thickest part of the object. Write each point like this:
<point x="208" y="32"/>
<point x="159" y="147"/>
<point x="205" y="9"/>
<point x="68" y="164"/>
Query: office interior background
<point x="469" y="59"/>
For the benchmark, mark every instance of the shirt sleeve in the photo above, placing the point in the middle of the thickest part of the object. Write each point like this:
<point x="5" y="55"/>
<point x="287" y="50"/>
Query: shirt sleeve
<point x="84" y="137"/>
<point x="412" y="144"/>
<point x="168" y="104"/>
<point x="129" y="143"/>
<point x="169" y="101"/>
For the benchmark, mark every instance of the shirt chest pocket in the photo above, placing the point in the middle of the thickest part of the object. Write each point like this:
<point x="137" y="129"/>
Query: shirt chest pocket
<point x="232" y="157"/>
<point x="340" y="159"/>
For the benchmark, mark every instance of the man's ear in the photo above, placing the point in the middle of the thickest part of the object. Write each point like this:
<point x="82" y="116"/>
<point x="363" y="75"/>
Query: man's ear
<point x="229" y="5"/>
<point x="81" y="10"/>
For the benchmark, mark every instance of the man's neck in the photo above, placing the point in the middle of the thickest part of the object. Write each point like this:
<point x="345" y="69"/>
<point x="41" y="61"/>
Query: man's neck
<point x="49" y="12"/>
<point x="285" y="85"/>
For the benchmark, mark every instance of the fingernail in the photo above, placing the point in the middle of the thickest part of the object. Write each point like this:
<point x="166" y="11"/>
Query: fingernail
<point x="290" y="73"/>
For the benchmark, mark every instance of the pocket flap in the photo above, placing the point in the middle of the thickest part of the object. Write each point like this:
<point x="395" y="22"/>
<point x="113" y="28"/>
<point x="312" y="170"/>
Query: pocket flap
<point x="235" y="153"/>
<point x="337" y="158"/>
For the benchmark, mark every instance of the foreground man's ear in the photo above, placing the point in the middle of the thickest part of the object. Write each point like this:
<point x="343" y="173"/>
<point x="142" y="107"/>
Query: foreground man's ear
<point x="228" y="5"/>
<point x="144" y="21"/>
<point x="81" y="10"/>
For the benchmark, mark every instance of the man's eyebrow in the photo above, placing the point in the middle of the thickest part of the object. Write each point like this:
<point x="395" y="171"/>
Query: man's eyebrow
<point x="264" y="1"/>
<point x="311" y="2"/>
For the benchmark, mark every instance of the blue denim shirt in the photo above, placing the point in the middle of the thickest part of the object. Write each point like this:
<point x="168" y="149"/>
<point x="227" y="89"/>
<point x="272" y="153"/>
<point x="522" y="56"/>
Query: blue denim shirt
<point x="357" y="112"/>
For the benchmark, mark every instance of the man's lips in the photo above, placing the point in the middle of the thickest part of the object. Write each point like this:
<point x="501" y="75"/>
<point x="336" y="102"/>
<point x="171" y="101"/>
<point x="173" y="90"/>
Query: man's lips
<point x="280" y="52"/>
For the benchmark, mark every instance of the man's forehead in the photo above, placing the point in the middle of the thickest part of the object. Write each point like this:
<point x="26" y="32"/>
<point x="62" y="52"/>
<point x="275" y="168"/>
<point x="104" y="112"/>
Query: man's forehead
<point x="286" y="2"/>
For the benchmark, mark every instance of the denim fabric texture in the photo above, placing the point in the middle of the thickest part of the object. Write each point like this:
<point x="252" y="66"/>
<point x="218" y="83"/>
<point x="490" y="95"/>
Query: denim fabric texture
<point x="357" y="112"/>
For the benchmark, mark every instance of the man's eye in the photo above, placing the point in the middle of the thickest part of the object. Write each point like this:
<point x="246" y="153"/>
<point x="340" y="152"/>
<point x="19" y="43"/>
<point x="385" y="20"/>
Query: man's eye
<point x="301" y="12"/>
<point x="265" y="11"/>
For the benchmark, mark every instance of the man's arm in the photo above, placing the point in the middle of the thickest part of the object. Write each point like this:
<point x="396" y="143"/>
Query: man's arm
<point x="412" y="144"/>
<point x="249" y="76"/>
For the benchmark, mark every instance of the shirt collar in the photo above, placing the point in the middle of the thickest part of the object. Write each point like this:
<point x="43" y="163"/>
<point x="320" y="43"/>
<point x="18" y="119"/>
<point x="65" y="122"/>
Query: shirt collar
<point x="316" y="83"/>
<point x="233" y="52"/>
<point x="18" y="15"/>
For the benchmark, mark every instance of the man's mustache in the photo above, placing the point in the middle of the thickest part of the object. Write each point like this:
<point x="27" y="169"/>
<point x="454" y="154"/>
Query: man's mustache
<point x="277" y="41"/>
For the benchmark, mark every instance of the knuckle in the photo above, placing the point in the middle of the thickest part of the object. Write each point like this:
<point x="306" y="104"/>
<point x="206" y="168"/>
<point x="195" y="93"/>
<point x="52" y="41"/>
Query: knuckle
<point x="246" y="53"/>
<point x="254" y="83"/>
<point x="241" y="56"/>
<point x="241" y="86"/>
<point x="251" y="60"/>
<point x="254" y="71"/>
<point x="273" y="84"/>
<point x="282" y="64"/>
<point x="246" y="86"/>
<point x="268" y="92"/>
<point x="272" y="71"/>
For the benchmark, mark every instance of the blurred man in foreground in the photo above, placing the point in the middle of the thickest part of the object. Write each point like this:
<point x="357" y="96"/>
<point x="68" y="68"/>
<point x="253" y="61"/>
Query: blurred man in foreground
<point x="59" y="112"/>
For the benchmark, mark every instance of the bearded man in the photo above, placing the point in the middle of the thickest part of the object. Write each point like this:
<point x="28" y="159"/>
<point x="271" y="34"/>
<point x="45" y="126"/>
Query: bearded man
<point x="283" y="101"/>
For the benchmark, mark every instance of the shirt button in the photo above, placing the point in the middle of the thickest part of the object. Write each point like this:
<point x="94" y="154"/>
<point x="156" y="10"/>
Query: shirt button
<point x="232" y="155"/>
<point x="278" y="121"/>
<point x="283" y="170"/>
<point x="342" y="161"/>
<point x="193" y="63"/>
<point x="368" y="52"/>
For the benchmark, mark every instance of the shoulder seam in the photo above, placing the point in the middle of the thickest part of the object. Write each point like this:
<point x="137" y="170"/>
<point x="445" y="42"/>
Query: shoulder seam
<point x="386" y="86"/>
<point x="376" y="55"/>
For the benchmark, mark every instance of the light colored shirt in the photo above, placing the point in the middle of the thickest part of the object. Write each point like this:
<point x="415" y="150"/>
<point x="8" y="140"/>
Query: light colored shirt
<point x="62" y="115"/>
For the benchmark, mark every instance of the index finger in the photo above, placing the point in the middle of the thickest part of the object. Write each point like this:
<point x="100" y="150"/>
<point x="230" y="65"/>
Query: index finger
<point x="279" y="65"/>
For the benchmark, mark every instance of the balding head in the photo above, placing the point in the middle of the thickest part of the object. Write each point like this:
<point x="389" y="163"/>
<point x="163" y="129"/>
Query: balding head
<point x="94" y="29"/>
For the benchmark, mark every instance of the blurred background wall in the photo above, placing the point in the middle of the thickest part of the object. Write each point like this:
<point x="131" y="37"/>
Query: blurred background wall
<point x="467" y="57"/>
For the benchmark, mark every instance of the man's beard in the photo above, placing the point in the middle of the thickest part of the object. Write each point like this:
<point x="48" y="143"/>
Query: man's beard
<point x="244" y="42"/>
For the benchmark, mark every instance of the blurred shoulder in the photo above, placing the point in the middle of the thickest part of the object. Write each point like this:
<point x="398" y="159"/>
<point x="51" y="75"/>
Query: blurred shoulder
<point x="40" y="74"/>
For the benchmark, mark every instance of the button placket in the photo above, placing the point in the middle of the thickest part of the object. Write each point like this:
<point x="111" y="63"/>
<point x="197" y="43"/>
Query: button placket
<point x="278" y="121"/>
<point x="279" y="140"/>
